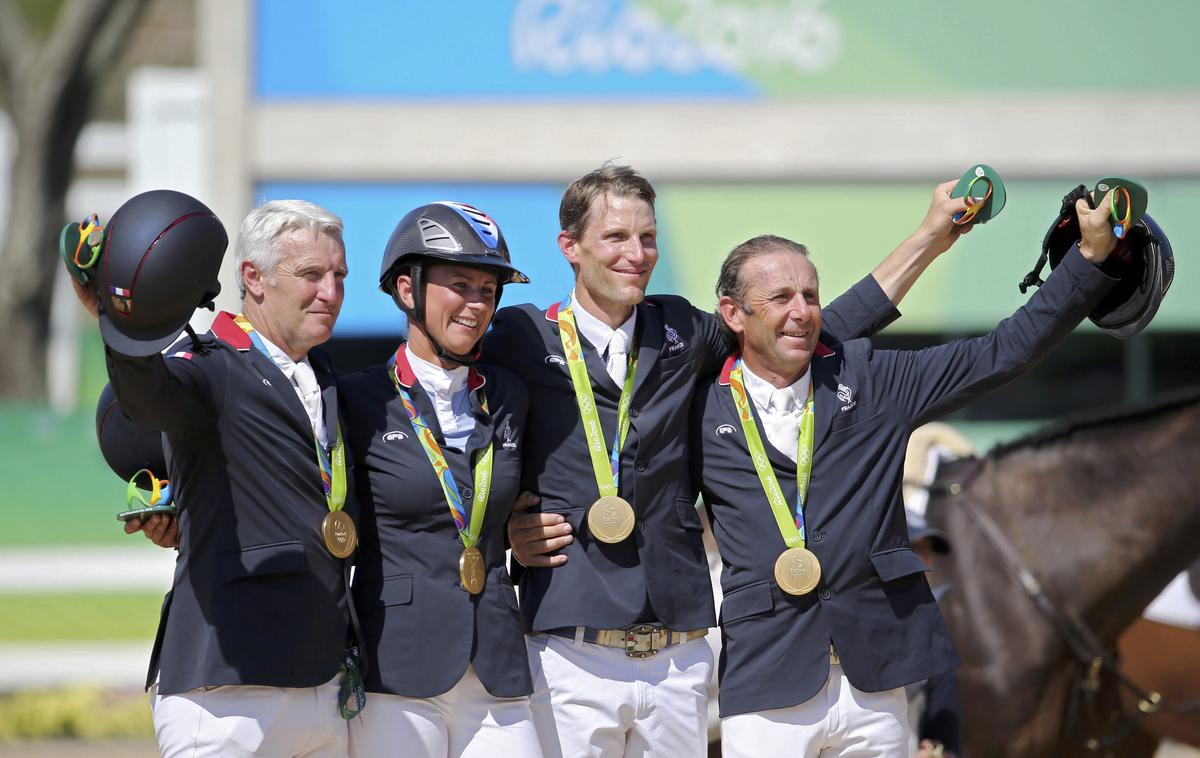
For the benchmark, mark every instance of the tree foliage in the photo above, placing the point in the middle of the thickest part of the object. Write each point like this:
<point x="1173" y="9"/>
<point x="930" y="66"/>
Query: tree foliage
<point x="49" y="87"/>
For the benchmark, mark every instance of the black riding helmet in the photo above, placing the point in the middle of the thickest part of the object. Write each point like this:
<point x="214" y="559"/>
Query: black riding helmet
<point x="1143" y="260"/>
<point x="127" y="448"/>
<point x="162" y="252"/>
<point x="451" y="232"/>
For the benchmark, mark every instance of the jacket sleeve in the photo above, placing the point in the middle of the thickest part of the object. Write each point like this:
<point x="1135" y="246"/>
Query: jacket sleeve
<point x="933" y="382"/>
<point x="863" y="310"/>
<point x="173" y="395"/>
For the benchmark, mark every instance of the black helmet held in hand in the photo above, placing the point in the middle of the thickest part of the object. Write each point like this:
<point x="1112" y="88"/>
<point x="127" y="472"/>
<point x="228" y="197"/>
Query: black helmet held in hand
<point x="127" y="448"/>
<point x="162" y="252"/>
<point x="1143" y="260"/>
<point x="447" y="232"/>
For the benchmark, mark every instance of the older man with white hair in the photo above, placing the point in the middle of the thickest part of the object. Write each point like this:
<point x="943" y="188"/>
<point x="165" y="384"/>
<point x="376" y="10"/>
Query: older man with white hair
<point x="252" y="642"/>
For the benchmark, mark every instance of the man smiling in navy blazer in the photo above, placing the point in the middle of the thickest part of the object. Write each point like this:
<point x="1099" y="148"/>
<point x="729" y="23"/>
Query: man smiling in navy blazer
<point x="618" y="664"/>
<point x="799" y="451"/>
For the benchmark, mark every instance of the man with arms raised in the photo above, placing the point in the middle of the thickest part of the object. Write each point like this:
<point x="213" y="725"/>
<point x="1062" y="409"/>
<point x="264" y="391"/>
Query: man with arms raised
<point x="254" y="631"/>
<point x="799" y="449"/>
<point x="619" y="666"/>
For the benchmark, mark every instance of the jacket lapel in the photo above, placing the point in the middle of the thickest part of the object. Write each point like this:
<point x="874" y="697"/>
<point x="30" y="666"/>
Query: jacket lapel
<point x="226" y="329"/>
<point x="649" y="341"/>
<point x="824" y="379"/>
<point x="274" y="376"/>
<point x="329" y="396"/>
<point x="482" y="434"/>
<point x="597" y="371"/>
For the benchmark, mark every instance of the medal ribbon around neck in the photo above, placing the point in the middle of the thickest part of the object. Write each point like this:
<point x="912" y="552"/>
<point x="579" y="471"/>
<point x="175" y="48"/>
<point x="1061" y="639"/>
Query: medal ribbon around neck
<point x="608" y="472"/>
<point x="483" y="469"/>
<point x="332" y="462"/>
<point x="792" y="528"/>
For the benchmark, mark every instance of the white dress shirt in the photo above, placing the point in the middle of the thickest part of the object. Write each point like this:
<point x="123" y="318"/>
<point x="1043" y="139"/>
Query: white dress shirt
<point x="310" y="395"/>
<point x="601" y="336"/>
<point x="447" y="390"/>
<point x="779" y="409"/>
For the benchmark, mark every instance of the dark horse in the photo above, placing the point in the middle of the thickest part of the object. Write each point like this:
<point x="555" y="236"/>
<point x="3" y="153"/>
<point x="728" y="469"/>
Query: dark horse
<point x="1060" y="541"/>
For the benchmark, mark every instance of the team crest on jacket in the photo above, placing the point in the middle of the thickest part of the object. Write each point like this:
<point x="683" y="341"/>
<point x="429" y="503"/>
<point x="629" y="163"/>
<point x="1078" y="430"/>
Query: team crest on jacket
<point x="508" y="436"/>
<point x="724" y="429"/>
<point x="394" y="436"/>
<point x="846" y="396"/>
<point x="674" y="344"/>
<point x="555" y="360"/>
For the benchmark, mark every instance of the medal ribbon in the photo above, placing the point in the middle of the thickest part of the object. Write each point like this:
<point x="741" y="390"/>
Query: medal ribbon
<point x="332" y="462"/>
<point x="608" y="472"/>
<point x="483" y="469"/>
<point x="792" y="528"/>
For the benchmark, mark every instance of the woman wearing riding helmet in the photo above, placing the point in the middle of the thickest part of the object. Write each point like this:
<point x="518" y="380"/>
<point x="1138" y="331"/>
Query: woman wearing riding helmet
<point x="436" y="442"/>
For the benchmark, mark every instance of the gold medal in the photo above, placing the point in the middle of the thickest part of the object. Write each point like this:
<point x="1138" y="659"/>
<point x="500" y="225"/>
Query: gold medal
<point x="797" y="571"/>
<point x="471" y="571"/>
<point x="610" y="519"/>
<point x="340" y="535"/>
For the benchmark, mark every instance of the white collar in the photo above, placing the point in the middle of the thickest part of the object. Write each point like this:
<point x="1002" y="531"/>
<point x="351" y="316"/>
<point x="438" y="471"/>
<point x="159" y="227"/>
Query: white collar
<point x="435" y="379"/>
<point x="760" y="390"/>
<point x="597" y="332"/>
<point x="282" y="359"/>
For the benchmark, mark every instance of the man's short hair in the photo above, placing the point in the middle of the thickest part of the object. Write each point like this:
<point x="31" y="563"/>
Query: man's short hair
<point x="609" y="179"/>
<point x="729" y="282"/>
<point x="257" y="240"/>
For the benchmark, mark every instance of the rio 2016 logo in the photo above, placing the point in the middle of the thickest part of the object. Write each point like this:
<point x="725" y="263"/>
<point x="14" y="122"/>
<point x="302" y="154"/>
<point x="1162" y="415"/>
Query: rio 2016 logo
<point x="682" y="37"/>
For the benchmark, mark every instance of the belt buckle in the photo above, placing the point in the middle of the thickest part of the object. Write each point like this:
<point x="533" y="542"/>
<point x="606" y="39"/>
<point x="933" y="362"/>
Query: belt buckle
<point x="639" y="641"/>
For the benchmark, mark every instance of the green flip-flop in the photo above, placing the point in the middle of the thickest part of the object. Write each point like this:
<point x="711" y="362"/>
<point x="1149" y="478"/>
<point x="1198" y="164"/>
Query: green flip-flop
<point x="982" y="183"/>
<point x="1126" y="211"/>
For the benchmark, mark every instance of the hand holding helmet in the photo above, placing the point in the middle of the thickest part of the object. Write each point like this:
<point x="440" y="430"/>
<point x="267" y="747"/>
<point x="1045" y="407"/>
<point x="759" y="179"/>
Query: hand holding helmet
<point x="146" y="272"/>
<point x="1142" y="259"/>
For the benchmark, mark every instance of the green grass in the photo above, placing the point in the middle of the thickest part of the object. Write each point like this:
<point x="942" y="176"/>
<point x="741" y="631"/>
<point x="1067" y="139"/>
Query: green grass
<point x="79" y="617"/>
<point x="84" y="713"/>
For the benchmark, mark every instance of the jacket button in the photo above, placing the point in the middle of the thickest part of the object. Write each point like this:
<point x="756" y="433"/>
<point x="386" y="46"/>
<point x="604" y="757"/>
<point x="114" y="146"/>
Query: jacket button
<point x="641" y="526"/>
<point x="816" y="535"/>
<point x="640" y="466"/>
<point x="824" y="594"/>
<point x="633" y="412"/>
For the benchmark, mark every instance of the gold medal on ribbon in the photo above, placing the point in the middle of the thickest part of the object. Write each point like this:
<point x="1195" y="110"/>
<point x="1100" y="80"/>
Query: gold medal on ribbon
<point x="341" y="537"/>
<point x="611" y="519"/>
<point x="471" y="571"/>
<point x="797" y="571"/>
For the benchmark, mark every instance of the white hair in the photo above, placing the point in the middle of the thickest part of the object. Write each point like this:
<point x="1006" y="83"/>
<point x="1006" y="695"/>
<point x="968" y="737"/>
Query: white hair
<point x="257" y="240"/>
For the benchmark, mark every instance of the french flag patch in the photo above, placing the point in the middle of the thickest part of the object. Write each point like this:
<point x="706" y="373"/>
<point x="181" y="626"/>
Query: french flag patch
<point x="185" y="355"/>
<point x="120" y="292"/>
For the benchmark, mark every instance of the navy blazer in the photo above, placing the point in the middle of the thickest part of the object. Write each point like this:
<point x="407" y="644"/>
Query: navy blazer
<point x="256" y="598"/>
<point x="420" y="628"/>
<point x="660" y="573"/>
<point x="873" y="603"/>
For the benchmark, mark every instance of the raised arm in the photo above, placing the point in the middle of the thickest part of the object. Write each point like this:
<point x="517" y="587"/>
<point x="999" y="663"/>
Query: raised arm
<point x="897" y="273"/>
<point x="932" y="382"/>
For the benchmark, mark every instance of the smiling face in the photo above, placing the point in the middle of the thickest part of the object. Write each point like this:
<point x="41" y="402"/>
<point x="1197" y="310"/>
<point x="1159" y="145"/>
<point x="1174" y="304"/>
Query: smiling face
<point x="296" y="305"/>
<point x="613" y="256"/>
<point x="459" y="304"/>
<point x="778" y="322"/>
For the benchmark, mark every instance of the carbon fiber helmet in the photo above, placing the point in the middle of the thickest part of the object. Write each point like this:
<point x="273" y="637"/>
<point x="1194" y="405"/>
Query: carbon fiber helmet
<point x="1143" y="260"/>
<point x="127" y="448"/>
<point x="453" y="233"/>
<point x="162" y="252"/>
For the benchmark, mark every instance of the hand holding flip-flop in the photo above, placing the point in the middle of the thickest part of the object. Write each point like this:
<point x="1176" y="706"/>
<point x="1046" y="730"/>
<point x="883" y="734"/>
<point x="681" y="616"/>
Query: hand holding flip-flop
<point x="984" y="193"/>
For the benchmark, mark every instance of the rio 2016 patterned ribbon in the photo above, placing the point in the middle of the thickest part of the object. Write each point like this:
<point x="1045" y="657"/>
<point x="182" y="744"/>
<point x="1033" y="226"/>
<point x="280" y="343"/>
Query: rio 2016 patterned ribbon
<point x="792" y="528"/>
<point x="607" y="466"/>
<point x="332" y="462"/>
<point x="1121" y="223"/>
<point x="469" y="536"/>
